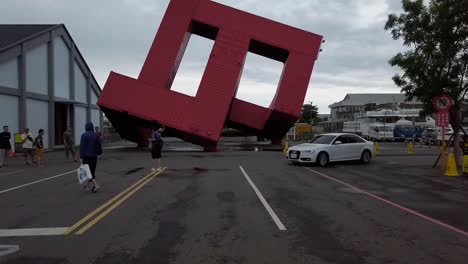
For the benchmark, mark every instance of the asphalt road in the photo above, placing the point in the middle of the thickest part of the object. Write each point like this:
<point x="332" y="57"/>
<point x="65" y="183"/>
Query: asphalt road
<point x="205" y="208"/>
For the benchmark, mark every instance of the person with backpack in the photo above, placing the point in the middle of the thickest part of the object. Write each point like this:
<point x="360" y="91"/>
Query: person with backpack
<point x="156" y="148"/>
<point x="90" y="149"/>
<point x="39" y="146"/>
<point x="5" y="146"/>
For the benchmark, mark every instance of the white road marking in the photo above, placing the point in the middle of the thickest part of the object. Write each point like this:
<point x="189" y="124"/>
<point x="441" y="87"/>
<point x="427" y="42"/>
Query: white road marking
<point x="50" y="231"/>
<point x="34" y="182"/>
<point x="264" y="202"/>
<point x="8" y="249"/>
<point x="11" y="172"/>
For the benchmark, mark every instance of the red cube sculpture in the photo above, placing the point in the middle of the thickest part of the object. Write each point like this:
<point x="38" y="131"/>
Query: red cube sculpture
<point x="133" y="106"/>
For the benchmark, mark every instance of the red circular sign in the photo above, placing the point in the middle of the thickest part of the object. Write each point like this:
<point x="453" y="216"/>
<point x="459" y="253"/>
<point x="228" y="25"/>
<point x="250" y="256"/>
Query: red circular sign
<point x="443" y="103"/>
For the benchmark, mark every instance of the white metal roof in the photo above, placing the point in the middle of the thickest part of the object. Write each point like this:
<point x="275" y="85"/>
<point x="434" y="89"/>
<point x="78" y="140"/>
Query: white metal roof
<point x="363" y="99"/>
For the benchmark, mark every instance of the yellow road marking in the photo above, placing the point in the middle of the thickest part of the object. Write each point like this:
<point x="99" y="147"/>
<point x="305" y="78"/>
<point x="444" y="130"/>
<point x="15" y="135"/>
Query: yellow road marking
<point x="116" y="204"/>
<point x="100" y="208"/>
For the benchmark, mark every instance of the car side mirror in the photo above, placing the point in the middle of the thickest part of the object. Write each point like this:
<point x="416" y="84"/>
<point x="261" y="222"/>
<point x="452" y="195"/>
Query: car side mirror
<point x="338" y="143"/>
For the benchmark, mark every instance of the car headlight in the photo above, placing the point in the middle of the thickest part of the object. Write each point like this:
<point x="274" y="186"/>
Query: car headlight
<point x="309" y="151"/>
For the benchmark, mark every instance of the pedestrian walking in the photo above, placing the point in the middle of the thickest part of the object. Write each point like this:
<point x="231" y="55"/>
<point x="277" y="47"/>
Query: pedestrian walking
<point x="5" y="146"/>
<point x="27" y="145"/>
<point x="90" y="149"/>
<point x="100" y="134"/>
<point x="156" y="148"/>
<point x="39" y="145"/>
<point x="69" y="144"/>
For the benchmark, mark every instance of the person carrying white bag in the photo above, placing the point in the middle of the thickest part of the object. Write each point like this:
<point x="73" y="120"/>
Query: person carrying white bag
<point x="84" y="174"/>
<point x="90" y="149"/>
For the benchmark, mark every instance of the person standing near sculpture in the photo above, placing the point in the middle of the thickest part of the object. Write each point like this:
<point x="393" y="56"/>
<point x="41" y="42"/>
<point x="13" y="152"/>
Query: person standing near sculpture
<point x="69" y="144"/>
<point x="5" y="146"/>
<point x="100" y="134"/>
<point x="156" y="148"/>
<point x="39" y="144"/>
<point x="27" y="145"/>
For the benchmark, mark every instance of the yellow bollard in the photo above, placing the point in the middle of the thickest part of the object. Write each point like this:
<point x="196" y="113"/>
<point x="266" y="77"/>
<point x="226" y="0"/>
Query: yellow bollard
<point x="465" y="157"/>
<point x="443" y="161"/>
<point x="451" y="170"/>
<point x="286" y="148"/>
<point x="444" y="147"/>
<point x="377" y="148"/>
<point x="411" y="148"/>
<point x="465" y="164"/>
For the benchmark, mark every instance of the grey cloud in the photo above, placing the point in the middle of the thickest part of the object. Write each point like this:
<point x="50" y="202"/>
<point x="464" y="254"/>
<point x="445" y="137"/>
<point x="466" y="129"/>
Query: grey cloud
<point x="116" y="35"/>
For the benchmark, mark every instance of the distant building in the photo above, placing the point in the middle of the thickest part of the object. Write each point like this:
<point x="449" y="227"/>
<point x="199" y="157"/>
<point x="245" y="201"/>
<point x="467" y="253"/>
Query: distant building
<point x="45" y="82"/>
<point x="354" y="105"/>
<point x="323" y="117"/>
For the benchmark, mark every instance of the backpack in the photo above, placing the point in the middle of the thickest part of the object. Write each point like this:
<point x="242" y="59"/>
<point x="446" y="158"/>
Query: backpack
<point x="35" y="144"/>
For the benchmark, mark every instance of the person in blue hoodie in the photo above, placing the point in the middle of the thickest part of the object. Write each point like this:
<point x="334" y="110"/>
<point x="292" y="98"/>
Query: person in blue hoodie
<point x="90" y="149"/>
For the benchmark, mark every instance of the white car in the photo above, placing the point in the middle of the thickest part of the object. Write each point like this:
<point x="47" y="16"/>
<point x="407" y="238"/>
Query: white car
<point x="327" y="148"/>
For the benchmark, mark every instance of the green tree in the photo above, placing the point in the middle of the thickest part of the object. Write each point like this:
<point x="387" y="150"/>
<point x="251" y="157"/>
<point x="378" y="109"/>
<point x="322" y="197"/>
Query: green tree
<point x="435" y="62"/>
<point x="309" y="113"/>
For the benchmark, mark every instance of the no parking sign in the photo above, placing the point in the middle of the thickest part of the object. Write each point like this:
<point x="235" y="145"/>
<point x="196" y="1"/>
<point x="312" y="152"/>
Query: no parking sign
<point x="443" y="104"/>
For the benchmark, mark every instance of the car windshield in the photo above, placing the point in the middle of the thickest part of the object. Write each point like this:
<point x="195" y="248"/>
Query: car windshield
<point x="323" y="139"/>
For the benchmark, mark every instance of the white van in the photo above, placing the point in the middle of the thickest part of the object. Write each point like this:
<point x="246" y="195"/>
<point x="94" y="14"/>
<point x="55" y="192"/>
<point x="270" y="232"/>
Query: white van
<point x="381" y="133"/>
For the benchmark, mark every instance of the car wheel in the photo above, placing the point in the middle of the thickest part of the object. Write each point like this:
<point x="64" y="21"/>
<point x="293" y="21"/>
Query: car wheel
<point x="322" y="159"/>
<point x="366" y="156"/>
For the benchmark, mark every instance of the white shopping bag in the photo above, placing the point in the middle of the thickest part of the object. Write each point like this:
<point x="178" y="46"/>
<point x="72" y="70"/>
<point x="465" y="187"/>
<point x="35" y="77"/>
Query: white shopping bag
<point x="84" y="173"/>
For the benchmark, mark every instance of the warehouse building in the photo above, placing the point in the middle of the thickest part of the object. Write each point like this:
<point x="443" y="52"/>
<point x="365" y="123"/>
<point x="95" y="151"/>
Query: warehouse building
<point x="45" y="82"/>
<point x="354" y="105"/>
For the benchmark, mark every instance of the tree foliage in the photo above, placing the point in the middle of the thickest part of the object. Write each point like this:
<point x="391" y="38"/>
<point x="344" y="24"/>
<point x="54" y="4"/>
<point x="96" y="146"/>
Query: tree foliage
<point x="309" y="113"/>
<point x="436" y="59"/>
<point x="435" y="62"/>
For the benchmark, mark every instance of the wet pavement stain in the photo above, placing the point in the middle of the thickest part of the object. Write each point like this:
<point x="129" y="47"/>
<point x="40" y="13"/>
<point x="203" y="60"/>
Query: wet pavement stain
<point x="37" y="260"/>
<point x="117" y="257"/>
<point x="134" y="170"/>
<point x="189" y="172"/>
<point x="171" y="228"/>
<point x="159" y="249"/>
<point x="312" y="224"/>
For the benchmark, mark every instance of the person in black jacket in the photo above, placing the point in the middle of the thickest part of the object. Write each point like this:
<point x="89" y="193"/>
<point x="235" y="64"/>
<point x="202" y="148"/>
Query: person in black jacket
<point x="156" y="148"/>
<point x="90" y="149"/>
<point x="39" y="144"/>
<point x="5" y="146"/>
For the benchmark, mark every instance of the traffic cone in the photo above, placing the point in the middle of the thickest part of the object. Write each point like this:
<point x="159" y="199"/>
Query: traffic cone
<point x="286" y="148"/>
<point x="411" y="148"/>
<point x="451" y="170"/>
<point x="377" y="148"/>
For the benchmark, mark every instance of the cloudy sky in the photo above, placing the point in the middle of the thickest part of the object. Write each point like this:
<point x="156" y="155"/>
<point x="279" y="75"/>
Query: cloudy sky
<point x="117" y="34"/>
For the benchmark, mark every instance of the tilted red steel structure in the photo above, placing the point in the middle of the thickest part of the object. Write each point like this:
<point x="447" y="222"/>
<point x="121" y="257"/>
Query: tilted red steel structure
<point x="133" y="106"/>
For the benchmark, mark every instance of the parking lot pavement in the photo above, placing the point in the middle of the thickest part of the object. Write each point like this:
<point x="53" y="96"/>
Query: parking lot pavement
<point x="236" y="207"/>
